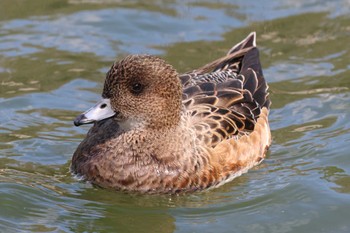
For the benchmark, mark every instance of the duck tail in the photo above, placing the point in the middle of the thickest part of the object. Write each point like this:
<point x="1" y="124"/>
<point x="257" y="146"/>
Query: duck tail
<point x="248" y="42"/>
<point x="254" y="80"/>
<point x="232" y="57"/>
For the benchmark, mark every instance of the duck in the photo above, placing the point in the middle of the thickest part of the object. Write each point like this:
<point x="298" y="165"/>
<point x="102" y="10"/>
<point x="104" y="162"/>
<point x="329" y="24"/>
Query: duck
<point x="156" y="131"/>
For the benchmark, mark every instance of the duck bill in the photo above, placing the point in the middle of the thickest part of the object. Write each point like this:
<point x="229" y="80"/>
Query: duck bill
<point x="102" y="110"/>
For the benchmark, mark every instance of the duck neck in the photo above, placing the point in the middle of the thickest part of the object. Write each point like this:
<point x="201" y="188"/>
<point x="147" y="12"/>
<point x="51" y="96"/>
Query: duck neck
<point x="167" y="118"/>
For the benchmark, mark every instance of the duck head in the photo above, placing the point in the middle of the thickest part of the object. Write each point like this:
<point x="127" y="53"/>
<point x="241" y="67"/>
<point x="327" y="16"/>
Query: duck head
<point x="139" y="91"/>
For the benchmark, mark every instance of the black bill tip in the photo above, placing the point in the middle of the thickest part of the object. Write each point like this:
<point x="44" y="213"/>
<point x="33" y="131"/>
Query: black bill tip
<point x="82" y="120"/>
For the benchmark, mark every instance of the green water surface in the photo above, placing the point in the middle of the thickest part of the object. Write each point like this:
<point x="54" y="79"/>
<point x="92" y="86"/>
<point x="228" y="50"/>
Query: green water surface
<point x="53" y="57"/>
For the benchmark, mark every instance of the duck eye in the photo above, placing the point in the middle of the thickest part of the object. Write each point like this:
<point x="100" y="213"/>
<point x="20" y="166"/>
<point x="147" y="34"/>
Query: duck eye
<point x="137" y="88"/>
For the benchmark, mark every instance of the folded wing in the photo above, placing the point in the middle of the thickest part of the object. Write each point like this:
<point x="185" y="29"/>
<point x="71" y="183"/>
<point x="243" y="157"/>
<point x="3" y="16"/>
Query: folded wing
<point x="224" y="98"/>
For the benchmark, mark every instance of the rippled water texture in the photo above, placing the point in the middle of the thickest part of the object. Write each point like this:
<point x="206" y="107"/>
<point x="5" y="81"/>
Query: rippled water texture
<point x="53" y="56"/>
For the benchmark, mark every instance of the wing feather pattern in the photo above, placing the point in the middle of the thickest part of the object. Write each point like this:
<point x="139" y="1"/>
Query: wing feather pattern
<point x="224" y="98"/>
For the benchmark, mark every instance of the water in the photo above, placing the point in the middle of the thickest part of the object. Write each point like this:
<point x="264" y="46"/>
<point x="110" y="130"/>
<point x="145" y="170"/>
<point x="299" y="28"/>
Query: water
<point x="53" y="56"/>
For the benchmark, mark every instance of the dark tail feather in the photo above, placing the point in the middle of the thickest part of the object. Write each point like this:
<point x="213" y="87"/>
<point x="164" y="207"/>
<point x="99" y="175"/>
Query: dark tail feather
<point x="248" y="42"/>
<point x="233" y="55"/>
<point x="250" y="65"/>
